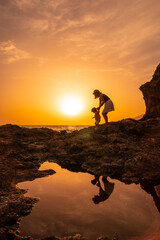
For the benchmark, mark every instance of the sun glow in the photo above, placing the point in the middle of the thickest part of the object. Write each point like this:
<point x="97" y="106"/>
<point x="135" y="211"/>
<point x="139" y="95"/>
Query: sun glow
<point x="71" y="105"/>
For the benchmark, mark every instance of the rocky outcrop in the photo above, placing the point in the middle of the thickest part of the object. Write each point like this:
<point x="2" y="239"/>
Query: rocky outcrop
<point x="127" y="150"/>
<point x="151" y="93"/>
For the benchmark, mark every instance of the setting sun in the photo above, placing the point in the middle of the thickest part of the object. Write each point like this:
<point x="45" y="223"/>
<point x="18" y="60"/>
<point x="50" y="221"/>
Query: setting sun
<point x="71" y="105"/>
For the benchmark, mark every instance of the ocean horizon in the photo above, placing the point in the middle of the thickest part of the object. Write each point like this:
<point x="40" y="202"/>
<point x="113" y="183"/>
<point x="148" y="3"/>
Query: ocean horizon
<point x="58" y="127"/>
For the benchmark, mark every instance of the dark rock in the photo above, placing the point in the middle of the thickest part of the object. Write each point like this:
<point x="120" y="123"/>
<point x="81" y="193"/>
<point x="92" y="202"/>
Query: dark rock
<point x="151" y="93"/>
<point x="76" y="237"/>
<point x="62" y="132"/>
<point x="50" y="238"/>
<point x="75" y="148"/>
<point x="103" y="238"/>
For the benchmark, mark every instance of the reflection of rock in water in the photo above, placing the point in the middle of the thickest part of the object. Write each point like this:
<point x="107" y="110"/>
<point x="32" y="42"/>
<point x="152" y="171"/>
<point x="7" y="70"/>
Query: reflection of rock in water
<point x="79" y="237"/>
<point x="154" y="191"/>
<point x="157" y="189"/>
<point x="76" y="237"/>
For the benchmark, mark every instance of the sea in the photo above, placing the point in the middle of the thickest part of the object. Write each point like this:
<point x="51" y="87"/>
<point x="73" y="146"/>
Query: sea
<point x="68" y="128"/>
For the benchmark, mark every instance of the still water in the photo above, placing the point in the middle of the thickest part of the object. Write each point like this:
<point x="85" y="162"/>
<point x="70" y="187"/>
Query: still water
<point x="66" y="207"/>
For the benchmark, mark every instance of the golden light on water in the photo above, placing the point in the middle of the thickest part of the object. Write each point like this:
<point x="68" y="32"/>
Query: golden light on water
<point x="71" y="105"/>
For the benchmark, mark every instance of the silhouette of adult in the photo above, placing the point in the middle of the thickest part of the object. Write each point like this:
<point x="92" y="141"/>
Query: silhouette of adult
<point x="103" y="193"/>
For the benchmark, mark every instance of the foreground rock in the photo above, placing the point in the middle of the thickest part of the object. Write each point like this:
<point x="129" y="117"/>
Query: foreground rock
<point x="127" y="150"/>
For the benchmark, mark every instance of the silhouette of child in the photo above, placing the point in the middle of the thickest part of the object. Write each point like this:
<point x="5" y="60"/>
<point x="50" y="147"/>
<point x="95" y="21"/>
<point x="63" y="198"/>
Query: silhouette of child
<point x="96" y="116"/>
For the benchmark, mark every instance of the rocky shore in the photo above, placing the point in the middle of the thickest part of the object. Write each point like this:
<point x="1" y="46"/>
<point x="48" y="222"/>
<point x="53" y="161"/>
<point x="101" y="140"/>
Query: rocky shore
<point x="127" y="150"/>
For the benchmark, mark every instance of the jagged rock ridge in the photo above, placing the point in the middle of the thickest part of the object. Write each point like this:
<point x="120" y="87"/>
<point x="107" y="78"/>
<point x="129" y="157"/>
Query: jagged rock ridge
<point x="151" y="93"/>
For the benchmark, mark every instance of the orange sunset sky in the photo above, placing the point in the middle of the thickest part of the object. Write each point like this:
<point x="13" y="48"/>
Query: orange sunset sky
<point x="52" y="49"/>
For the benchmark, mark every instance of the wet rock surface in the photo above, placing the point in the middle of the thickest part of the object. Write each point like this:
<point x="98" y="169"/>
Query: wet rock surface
<point x="127" y="150"/>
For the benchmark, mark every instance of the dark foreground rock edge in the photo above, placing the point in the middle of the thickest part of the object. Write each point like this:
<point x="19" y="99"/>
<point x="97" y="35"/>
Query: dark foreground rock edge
<point x="127" y="150"/>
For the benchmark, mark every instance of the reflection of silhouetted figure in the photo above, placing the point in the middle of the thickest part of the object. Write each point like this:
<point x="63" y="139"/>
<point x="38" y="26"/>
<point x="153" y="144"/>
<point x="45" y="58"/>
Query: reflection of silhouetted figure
<point x="151" y="190"/>
<point x="103" y="193"/>
<point x="95" y="180"/>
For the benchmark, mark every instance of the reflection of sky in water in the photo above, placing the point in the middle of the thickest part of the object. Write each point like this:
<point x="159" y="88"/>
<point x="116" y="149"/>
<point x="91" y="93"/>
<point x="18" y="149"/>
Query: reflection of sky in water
<point x="66" y="208"/>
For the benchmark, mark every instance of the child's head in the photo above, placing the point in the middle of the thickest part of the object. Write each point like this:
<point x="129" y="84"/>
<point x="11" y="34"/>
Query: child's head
<point x="94" y="110"/>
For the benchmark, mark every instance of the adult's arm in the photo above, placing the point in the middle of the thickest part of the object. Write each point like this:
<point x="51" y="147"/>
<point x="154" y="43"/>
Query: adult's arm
<point x="101" y="101"/>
